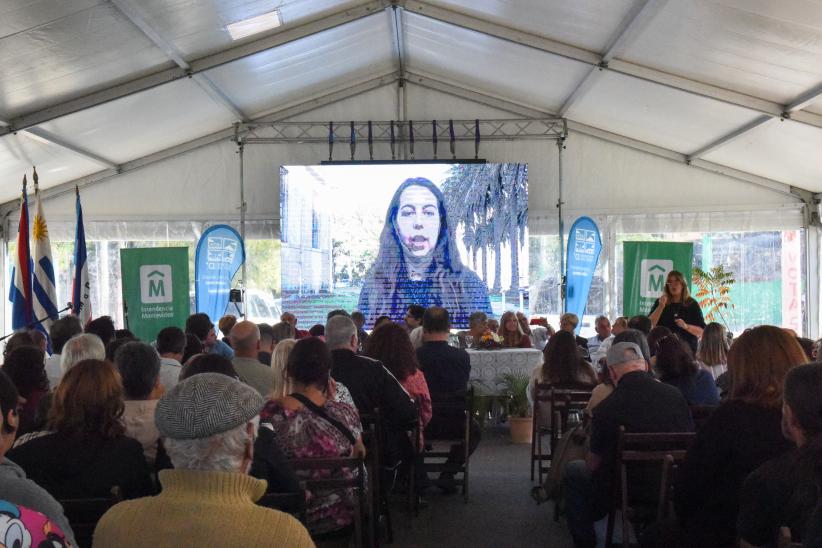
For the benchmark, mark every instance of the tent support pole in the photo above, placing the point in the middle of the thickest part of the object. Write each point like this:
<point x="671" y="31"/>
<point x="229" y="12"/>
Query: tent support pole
<point x="560" y="146"/>
<point x="240" y="150"/>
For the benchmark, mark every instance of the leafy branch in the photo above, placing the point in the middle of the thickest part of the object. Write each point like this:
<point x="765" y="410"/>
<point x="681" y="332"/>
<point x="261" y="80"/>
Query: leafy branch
<point x="714" y="293"/>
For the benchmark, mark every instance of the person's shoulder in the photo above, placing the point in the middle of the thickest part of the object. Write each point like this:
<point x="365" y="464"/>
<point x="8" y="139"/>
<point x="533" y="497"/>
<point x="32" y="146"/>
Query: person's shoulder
<point x="284" y="527"/>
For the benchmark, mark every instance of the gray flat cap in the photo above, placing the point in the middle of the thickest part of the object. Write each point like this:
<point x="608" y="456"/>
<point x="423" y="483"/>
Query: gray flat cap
<point x="206" y="404"/>
<point x="621" y="353"/>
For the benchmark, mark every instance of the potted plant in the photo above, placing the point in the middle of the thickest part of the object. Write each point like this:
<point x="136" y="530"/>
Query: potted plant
<point x="515" y="389"/>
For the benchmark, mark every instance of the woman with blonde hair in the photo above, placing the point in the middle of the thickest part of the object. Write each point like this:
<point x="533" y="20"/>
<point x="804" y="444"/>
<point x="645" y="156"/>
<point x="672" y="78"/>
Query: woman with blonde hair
<point x="511" y="333"/>
<point x="678" y="311"/>
<point x="744" y="432"/>
<point x="712" y="353"/>
<point x="279" y="358"/>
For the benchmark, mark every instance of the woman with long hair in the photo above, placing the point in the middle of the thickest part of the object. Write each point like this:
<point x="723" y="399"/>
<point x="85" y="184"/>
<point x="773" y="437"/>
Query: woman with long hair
<point x="418" y="261"/>
<point x="25" y="366"/>
<point x="85" y="451"/>
<point x="712" y="353"/>
<point x="283" y="384"/>
<point x="675" y="365"/>
<point x="678" y="311"/>
<point x="562" y="365"/>
<point x="391" y="345"/>
<point x="744" y="432"/>
<point x="511" y="333"/>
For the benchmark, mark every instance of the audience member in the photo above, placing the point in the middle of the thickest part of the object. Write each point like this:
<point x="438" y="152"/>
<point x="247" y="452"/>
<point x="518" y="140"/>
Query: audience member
<point x="85" y="346"/>
<point x="784" y="491"/>
<point x="245" y="340"/>
<point x="308" y="424"/>
<point x="371" y="385"/>
<point x="712" y="352"/>
<point x="477" y="325"/>
<point x="540" y="332"/>
<point x="598" y="357"/>
<point x="26" y="369"/>
<point x="569" y="322"/>
<point x="337" y="312"/>
<point x="602" y="325"/>
<point x="447" y="371"/>
<point x="317" y="330"/>
<point x="208" y="363"/>
<point x="744" y="432"/>
<point x="14" y="486"/>
<point x="171" y="346"/>
<point x="588" y="484"/>
<point x="85" y="451"/>
<point x="139" y="367"/>
<point x="18" y="340"/>
<point x="641" y="323"/>
<point x="283" y="331"/>
<point x="606" y="386"/>
<point x="392" y="346"/>
<point x="266" y="343"/>
<point x="208" y="498"/>
<point x="807" y="346"/>
<point x="103" y="327"/>
<point x="523" y="323"/>
<point x="381" y="320"/>
<point x="200" y="325"/>
<point x="113" y="346"/>
<point x="124" y="334"/>
<point x="511" y="333"/>
<point x="225" y="325"/>
<point x="279" y="359"/>
<point x="413" y="317"/>
<point x="359" y="320"/>
<point x="562" y="366"/>
<point x="676" y="366"/>
<point x="39" y="339"/>
<point x="60" y="332"/>
<point x="290" y="318"/>
<point x="657" y="333"/>
<point x="193" y="347"/>
<point x="416" y="336"/>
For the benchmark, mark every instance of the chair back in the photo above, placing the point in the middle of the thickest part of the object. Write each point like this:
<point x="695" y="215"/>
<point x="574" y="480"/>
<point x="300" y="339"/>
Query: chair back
<point x="565" y="399"/>
<point x="84" y="513"/>
<point x="700" y="414"/>
<point x="453" y="406"/>
<point x="336" y="481"/>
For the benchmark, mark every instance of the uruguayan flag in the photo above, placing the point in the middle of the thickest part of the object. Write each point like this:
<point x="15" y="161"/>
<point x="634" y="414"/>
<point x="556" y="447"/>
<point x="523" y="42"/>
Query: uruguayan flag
<point x="43" y="286"/>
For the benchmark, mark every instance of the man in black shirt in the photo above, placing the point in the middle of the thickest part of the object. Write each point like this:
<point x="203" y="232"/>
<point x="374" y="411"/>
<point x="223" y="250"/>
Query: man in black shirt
<point x="640" y="404"/>
<point x="371" y="385"/>
<point x="447" y="370"/>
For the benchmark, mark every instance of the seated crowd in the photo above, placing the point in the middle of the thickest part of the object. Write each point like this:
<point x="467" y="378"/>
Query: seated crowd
<point x="192" y="430"/>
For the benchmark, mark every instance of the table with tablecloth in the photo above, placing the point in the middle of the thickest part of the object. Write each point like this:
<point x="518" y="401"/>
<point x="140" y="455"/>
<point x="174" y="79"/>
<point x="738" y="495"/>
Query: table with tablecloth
<point x="488" y="365"/>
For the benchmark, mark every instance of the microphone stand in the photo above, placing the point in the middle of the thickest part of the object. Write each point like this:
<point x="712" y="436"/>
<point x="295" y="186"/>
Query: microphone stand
<point x="37" y="322"/>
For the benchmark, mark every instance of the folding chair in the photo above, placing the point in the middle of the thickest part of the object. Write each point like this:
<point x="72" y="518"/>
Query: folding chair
<point x="561" y="400"/>
<point x="290" y="503"/>
<point x="84" y="513"/>
<point x="453" y="406"/>
<point x="373" y="438"/>
<point x="663" y="449"/>
<point x="334" y="466"/>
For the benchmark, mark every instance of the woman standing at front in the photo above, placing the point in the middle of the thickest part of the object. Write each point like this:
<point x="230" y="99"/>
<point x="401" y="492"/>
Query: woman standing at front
<point x="676" y="310"/>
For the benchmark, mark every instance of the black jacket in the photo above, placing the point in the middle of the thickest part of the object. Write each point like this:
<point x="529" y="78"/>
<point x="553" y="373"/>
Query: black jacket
<point x="373" y="386"/>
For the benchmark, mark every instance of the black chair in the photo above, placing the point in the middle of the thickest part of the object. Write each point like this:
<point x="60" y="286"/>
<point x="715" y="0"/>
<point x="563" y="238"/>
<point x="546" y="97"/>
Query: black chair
<point x="290" y="503"/>
<point x="646" y="455"/>
<point x="336" y="481"/>
<point x="562" y="400"/>
<point x="456" y="408"/>
<point x="700" y="414"/>
<point x="84" y="513"/>
<point x="373" y="438"/>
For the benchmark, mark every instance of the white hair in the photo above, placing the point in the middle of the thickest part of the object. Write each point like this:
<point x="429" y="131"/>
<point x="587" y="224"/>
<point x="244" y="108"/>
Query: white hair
<point x="84" y="346"/>
<point x="338" y="332"/>
<point x="221" y="452"/>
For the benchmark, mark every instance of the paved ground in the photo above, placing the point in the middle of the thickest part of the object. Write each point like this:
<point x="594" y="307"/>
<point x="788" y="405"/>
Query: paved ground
<point x="499" y="513"/>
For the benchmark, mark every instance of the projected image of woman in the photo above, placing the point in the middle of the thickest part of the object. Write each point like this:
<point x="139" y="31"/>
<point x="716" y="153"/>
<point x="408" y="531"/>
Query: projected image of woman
<point x="418" y="261"/>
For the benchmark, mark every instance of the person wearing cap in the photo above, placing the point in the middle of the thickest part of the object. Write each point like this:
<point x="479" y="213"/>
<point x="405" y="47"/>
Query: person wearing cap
<point x="209" y="422"/>
<point x="640" y="404"/>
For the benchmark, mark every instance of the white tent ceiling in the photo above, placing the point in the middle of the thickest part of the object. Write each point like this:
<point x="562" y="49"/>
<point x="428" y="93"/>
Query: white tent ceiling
<point x="95" y="85"/>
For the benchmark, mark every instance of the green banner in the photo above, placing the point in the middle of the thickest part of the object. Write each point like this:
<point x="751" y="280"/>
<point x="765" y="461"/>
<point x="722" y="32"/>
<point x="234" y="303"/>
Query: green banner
<point x="155" y="289"/>
<point x="645" y="267"/>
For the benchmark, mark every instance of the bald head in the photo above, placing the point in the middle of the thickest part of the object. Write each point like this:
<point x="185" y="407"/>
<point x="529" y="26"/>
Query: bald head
<point x="245" y="339"/>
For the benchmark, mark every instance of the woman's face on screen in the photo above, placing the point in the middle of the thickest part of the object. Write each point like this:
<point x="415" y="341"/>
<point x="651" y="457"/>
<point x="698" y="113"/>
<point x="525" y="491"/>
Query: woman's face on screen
<point x="418" y="220"/>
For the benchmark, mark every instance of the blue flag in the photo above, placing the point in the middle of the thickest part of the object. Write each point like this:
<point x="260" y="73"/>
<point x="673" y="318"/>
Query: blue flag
<point x="81" y="290"/>
<point x="220" y="253"/>
<point x="584" y="247"/>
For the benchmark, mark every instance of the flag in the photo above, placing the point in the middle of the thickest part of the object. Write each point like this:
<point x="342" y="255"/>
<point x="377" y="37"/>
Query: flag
<point x="21" y="312"/>
<point x="43" y="286"/>
<point x="81" y="290"/>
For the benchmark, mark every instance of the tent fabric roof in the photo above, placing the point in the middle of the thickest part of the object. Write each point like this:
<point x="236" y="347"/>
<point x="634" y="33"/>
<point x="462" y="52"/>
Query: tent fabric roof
<point x="91" y="85"/>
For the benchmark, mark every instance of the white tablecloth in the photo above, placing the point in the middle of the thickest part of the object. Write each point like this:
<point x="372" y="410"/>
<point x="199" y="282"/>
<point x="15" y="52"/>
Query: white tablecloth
<point x="488" y="365"/>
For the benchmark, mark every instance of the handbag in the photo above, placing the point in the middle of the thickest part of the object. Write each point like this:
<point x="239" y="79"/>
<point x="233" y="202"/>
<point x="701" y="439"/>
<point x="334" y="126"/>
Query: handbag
<point x="573" y="445"/>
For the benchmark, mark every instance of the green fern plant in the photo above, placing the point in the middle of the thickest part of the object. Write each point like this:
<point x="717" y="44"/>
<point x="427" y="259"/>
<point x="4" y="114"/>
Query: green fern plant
<point x="515" y="389"/>
<point x="714" y="293"/>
